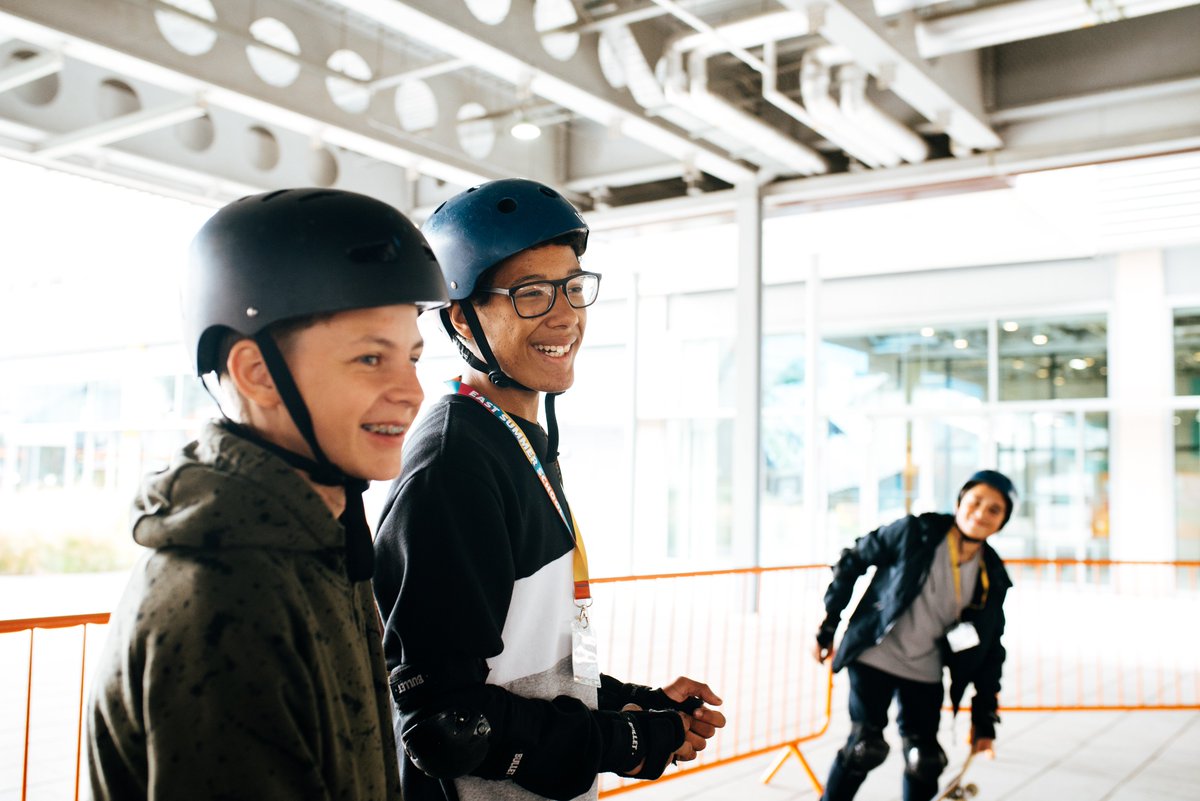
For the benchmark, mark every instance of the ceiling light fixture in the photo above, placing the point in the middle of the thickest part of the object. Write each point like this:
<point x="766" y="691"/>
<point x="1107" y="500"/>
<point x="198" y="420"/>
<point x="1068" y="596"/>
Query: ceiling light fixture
<point x="525" y="130"/>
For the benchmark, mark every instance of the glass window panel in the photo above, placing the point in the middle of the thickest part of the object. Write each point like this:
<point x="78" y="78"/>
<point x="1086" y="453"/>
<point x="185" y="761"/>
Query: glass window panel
<point x="1187" y="352"/>
<point x="684" y="491"/>
<point x="1047" y="358"/>
<point x="1187" y="483"/>
<point x="1059" y="464"/>
<point x="781" y="513"/>
<point x="1095" y="483"/>
<point x="929" y="367"/>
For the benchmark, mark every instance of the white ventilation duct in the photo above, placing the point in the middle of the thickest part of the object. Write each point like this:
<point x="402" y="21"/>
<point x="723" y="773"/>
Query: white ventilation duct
<point x="906" y="76"/>
<point x="1026" y="19"/>
<point x="864" y="115"/>
<point x="815" y="80"/>
<point x="691" y="94"/>
<point x="872" y="137"/>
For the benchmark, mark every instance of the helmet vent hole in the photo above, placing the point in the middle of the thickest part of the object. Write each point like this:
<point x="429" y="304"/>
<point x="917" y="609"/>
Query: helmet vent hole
<point x="547" y="191"/>
<point x="317" y="196"/>
<point x="373" y="253"/>
<point x="272" y="195"/>
<point x="506" y="206"/>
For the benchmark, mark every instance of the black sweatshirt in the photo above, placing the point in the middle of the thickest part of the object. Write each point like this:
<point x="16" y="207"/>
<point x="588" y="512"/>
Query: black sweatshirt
<point x="474" y="564"/>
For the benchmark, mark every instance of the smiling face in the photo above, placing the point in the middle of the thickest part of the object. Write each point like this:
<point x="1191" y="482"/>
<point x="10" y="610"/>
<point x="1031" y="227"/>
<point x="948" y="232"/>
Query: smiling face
<point x="980" y="512"/>
<point x="538" y="352"/>
<point x="357" y="374"/>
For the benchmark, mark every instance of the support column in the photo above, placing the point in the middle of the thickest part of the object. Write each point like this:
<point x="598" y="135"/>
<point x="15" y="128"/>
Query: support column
<point x="818" y="549"/>
<point x="747" y="429"/>
<point x="1141" y="364"/>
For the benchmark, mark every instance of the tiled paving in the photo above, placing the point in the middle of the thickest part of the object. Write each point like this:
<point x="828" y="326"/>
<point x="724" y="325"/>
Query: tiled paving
<point x="1060" y="756"/>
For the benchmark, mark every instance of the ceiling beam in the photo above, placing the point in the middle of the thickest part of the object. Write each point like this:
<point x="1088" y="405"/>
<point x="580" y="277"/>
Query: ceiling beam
<point x="512" y="51"/>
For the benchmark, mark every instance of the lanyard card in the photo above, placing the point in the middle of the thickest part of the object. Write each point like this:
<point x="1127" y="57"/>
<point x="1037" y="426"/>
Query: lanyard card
<point x="585" y="660"/>
<point x="962" y="636"/>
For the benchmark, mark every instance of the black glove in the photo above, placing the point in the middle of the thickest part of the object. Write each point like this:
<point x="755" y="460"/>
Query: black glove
<point x="826" y="633"/>
<point x="648" y="739"/>
<point x="657" y="700"/>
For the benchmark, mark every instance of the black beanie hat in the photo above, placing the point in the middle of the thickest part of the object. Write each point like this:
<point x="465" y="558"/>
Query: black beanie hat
<point x="997" y="481"/>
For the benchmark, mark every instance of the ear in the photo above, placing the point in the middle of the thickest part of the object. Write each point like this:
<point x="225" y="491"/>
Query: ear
<point x="248" y="371"/>
<point x="459" y="321"/>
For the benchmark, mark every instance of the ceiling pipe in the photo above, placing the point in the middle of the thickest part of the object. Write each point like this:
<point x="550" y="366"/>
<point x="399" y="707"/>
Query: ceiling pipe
<point x="871" y="138"/>
<point x="863" y="114"/>
<point x="690" y="92"/>
<point x="895" y="61"/>
<point x="815" y="80"/>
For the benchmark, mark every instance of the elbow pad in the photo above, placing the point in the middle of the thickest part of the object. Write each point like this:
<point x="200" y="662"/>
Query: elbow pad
<point x="444" y="730"/>
<point x="449" y="744"/>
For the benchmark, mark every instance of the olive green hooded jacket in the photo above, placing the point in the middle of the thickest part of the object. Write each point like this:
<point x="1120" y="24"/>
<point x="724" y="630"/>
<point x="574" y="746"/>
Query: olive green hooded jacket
<point x="241" y="663"/>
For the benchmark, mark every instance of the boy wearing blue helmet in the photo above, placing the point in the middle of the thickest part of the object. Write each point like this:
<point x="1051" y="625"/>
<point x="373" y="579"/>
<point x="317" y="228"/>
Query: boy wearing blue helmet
<point x="482" y="576"/>
<point x="244" y="660"/>
<point x="936" y="600"/>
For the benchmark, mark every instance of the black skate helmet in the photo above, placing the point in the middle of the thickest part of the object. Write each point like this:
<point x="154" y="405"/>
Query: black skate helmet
<point x="296" y="252"/>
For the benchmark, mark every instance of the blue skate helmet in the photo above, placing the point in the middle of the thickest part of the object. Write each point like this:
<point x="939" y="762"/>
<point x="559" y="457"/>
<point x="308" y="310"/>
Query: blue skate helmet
<point x="476" y="230"/>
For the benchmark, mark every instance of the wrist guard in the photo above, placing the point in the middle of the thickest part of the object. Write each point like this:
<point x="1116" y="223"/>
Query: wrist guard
<point x="641" y="738"/>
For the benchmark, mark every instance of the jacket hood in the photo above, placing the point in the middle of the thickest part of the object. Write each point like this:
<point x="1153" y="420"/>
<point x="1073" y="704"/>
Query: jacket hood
<point x="223" y="491"/>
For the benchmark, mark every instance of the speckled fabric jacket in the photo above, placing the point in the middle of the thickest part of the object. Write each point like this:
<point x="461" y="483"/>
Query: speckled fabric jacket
<point x="241" y="663"/>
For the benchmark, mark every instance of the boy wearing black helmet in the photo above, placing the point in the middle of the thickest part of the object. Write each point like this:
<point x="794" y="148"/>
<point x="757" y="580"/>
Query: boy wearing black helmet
<point x="244" y="660"/>
<point x="482" y="574"/>
<point x="936" y="600"/>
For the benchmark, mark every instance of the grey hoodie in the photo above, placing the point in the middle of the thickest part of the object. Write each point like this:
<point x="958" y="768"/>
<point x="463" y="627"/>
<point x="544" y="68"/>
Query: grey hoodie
<point x="241" y="663"/>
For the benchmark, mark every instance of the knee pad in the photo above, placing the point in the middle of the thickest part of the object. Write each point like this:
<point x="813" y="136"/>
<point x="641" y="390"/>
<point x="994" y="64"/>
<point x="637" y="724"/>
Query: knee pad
<point x="866" y="749"/>
<point x="924" y="759"/>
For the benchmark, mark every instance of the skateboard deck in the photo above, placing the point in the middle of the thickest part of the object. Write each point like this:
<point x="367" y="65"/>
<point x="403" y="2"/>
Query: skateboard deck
<point x="956" y="788"/>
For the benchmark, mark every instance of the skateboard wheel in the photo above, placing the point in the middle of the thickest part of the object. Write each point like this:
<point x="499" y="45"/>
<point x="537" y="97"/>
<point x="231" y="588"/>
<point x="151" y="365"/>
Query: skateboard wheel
<point x="971" y="790"/>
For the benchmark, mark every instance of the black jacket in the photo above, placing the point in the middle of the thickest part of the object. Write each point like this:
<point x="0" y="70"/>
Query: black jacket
<point x="902" y="553"/>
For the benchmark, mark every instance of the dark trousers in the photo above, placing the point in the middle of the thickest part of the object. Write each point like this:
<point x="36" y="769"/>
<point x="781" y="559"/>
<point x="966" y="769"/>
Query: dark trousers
<point x="920" y="709"/>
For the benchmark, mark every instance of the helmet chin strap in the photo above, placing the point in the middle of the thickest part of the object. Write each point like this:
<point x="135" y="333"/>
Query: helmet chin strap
<point x="968" y="538"/>
<point x="360" y="550"/>
<point x="490" y="365"/>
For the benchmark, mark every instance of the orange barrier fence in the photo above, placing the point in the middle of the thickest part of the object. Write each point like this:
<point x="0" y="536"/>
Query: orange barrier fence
<point x="747" y="633"/>
<point x="1082" y="635"/>
<point x="1101" y="635"/>
<point x="44" y="745"/>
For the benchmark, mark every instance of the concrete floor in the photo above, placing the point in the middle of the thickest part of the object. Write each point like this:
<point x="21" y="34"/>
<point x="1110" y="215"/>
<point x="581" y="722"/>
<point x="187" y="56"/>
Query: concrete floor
<point x="1061" y="756"/>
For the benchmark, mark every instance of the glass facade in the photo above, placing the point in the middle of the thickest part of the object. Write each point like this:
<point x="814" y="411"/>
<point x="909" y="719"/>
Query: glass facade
<point x="907" y="420"/>
<point x="1051" y="358"/>
<point x="930" y="366"/>
<point x="1187" y="432"/>
<point x="1187" y="352"/>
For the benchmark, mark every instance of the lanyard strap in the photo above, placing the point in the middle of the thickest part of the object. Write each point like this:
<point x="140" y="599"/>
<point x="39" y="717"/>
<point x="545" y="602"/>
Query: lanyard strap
<point x="583" y="592"/>
<point x="952" y="542"/>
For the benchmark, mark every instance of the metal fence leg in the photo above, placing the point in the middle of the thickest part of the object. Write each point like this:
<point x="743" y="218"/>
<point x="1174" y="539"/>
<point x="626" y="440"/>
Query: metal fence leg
<point x="793" y="749"/>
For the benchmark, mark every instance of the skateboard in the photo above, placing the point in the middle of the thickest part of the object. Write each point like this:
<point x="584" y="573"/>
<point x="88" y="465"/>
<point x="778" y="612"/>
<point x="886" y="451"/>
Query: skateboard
<point x="956" y="788"/>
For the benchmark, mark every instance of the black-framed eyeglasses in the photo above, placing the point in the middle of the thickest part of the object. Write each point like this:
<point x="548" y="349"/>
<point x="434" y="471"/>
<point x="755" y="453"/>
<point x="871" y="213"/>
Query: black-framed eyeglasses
<point x="535" y="298"/>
